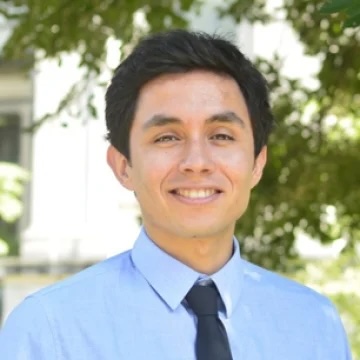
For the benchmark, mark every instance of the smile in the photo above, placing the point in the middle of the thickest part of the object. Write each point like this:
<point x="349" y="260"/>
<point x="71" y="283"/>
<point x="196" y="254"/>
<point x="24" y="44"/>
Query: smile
<point x="195" y="193"/>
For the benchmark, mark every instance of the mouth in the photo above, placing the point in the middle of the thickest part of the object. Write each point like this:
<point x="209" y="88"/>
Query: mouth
<point x="196" y="193"/>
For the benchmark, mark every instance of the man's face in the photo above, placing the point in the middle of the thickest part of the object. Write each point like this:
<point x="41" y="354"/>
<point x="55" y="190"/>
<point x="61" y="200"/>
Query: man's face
<point x="192" y="156"/>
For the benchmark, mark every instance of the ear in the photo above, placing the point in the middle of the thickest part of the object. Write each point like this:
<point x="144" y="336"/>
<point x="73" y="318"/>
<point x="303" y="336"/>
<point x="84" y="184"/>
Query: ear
<point x="259" y="165"/>
<point x="120" y="166"/>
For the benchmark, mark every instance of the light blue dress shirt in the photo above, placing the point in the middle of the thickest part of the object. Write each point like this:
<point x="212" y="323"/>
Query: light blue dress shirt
<point x="131" y="307"/>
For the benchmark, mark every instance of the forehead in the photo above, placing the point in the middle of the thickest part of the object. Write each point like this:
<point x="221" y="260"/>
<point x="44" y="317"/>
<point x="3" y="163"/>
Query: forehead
<point x="196" y="93"/>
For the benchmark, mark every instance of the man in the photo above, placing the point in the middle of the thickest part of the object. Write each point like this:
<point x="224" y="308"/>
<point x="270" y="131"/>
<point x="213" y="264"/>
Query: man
<point x="188" y="119"/>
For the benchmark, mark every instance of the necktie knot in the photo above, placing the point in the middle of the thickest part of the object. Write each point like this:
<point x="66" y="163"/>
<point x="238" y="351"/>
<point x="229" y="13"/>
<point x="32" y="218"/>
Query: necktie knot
<point x="203" y="300"/>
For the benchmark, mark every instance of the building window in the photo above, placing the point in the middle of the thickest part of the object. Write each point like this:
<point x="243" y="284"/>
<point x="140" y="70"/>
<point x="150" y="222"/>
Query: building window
<point x="10" y="152"/>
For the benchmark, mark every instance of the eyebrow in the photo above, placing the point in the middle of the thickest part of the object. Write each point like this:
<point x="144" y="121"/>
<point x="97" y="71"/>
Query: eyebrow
<point x="226" y="117"/>
<point x="159" y="120"/>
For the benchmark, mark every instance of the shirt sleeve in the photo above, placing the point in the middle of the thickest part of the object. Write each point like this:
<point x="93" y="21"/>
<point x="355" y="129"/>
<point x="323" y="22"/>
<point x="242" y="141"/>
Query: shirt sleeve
<point x="340" y="344"/>
<point x="26" y="334"/>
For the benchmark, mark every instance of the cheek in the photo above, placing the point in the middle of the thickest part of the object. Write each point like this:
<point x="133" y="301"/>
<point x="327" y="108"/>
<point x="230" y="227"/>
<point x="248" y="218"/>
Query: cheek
<point x="152" y="170"/>
<point x="238" y="164"/>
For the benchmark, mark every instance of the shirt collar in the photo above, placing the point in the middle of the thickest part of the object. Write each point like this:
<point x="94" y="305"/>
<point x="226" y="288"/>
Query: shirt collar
<point x="172" y="279"/>
<point x="229" y="280"/>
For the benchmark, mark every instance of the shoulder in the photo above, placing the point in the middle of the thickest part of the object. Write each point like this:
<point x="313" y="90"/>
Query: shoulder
<point x="78" y="291"/>
<point x="65" y="306"/>
<point x="292" y="311"/>
<point x="277" y="284"/>
<point x="285" y="296"/>
<point x="115" y="269"/>
<point x="297" y="308"/>
<point x="289" y="299"/>
<point x="21" y="331"/>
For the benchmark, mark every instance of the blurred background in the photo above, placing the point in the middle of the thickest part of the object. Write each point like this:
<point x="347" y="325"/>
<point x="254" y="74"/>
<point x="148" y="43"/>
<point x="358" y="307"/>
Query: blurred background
<point x="61" y="210"/>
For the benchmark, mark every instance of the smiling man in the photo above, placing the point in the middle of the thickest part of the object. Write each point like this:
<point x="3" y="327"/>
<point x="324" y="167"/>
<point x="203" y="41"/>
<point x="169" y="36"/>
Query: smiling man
<point x="191" y="164"/>
<point x="188" y="119"/>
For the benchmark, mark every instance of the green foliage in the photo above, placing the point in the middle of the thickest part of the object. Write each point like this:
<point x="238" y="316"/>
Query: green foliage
<point x="12" y="179"/>
<point x="313" y="153"/>
<point x="311" y="181"/>
<point x="349" y="8"/>
<point x="59" y="26"/>
<point x="11" y="186"/>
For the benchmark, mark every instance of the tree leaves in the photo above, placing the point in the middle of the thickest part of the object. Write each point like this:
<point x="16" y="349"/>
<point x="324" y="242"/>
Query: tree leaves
<point x="350" y="8"/>
<point x="55" y="27"/>
<point x="12" y="178"/>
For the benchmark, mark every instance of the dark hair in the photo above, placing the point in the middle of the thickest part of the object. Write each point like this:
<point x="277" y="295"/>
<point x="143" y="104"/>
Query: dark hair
<point x="180" y="51"/>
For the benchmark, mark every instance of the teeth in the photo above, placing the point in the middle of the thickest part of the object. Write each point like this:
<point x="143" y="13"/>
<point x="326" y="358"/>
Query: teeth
<point x="195" y="194"/>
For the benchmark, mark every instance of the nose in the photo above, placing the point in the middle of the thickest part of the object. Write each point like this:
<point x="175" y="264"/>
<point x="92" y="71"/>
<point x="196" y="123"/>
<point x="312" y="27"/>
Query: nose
<point x="197" y="158"/>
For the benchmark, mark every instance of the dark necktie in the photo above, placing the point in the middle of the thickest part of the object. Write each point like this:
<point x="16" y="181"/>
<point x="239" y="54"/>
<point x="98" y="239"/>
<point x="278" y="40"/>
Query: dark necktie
<point x="211" y="341"/>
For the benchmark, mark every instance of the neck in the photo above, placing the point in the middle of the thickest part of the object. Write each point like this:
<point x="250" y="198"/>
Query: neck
<point x="204" y="255"/>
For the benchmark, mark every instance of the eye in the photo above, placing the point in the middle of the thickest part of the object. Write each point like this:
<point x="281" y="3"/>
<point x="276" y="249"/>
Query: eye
<point x="222" y="137"/>
<point x="166" y="138"/>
